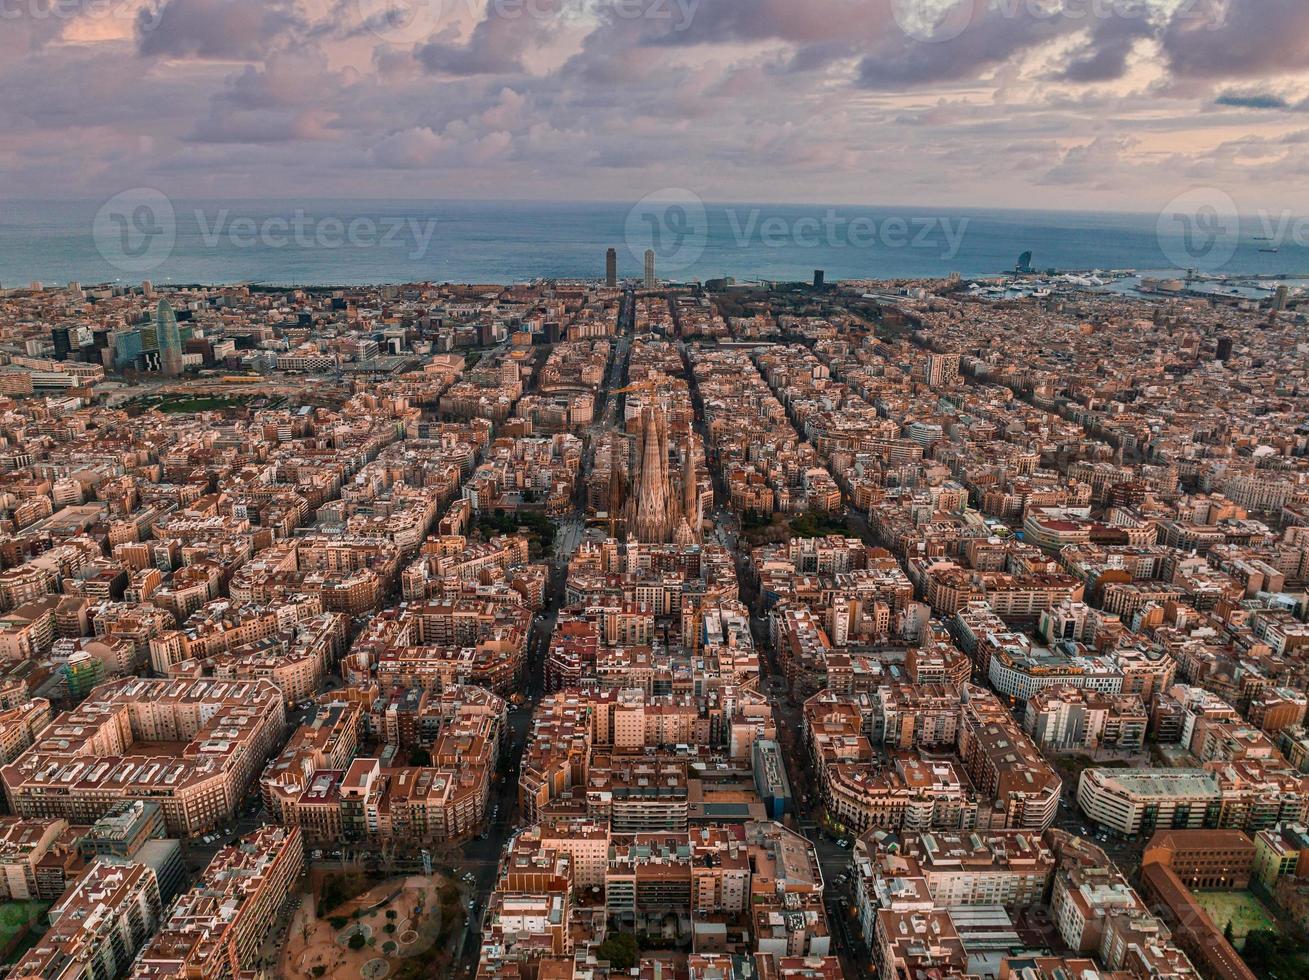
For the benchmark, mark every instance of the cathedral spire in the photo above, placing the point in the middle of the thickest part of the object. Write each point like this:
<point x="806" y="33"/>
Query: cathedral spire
<point x="616" y="488"/>
<point x="653" y="519"/>
<point x="690" y="485"/>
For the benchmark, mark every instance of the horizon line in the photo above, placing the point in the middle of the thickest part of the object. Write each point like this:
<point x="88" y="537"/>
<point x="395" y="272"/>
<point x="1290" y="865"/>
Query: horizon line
<point x="609" y="203"/>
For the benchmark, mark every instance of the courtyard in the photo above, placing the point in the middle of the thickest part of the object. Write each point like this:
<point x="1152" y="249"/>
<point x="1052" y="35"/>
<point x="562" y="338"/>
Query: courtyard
<point x="390" y="929"/>
<point x="1245" y="912"/>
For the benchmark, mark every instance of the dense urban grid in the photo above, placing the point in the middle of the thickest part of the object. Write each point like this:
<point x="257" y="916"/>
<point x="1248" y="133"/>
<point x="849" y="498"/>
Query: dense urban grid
<point x="577" y="630"/>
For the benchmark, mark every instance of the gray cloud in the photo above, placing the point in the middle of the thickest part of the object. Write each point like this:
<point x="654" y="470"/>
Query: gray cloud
<point x="1251" y="100"/>
<point x="495" y="47"/>
<point x="1102" y="56"/>
<point x="286" y="79"/>
<point x="1096" y="164"/>
<point x="1237" y="38"/>
<point x="749" y="99"/>
<point x="224" y="29"/>
<point x="262" y="126"/>
<point x="898" y="61"/>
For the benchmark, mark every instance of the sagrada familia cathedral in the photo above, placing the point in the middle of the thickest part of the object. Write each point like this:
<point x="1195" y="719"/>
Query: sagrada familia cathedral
<point x="660" y="506"/>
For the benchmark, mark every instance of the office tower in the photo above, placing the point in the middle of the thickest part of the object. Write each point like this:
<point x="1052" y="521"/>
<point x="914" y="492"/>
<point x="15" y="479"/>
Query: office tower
<point x="611" y="267"/>
<point x="169" y="340"/>
<point x="128" y="347"/>
<point x="1224" y="348"/>
<point x="1283" y="294"/>
<point x="820" y="278"/>
<point x="649" y="268"/>
<point x="63" y="345"/>
<point x="100" y="352"/>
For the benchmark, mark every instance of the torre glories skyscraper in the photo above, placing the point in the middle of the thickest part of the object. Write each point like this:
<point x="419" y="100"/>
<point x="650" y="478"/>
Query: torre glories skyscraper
<point x="170" y="340"/>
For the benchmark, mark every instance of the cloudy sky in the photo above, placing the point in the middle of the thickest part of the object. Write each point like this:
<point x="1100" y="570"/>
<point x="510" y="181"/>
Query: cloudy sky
<point x="1113" y="104"/>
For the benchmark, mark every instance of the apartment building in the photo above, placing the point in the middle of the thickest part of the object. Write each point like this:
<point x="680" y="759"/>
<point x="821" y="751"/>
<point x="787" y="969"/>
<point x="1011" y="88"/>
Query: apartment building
<point x="216" y="929"/>
<point x="218" y="735"/>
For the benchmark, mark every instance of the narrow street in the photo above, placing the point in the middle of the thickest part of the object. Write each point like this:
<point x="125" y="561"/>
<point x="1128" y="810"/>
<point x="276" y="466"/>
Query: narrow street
<point x="481" y="856"/>
<point x="833" y="859"/>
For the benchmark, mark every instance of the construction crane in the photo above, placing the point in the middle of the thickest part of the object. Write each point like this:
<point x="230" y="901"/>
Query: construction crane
<point x="697" y="621"/>
<point x="649" y="384"/>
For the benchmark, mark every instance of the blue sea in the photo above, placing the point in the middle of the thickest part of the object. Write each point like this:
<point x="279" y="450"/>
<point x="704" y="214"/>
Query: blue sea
<point x="327" y="242"/>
